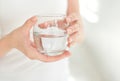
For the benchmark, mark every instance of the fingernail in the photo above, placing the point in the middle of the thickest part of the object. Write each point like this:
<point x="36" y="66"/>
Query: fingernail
<point x="34" y="18"/>
<point x="70" y="40"/>
<point x="67" y="54"/>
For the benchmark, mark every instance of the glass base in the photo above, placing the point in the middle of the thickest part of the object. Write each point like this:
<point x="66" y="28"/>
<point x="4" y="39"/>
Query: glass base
<point x="52" y="53"/>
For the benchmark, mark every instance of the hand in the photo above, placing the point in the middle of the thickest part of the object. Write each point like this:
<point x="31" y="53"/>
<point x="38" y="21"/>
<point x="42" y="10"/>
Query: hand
<point x="73" y="26"/>
<point x="21" y="40"/>
<point x="75" y="29"/>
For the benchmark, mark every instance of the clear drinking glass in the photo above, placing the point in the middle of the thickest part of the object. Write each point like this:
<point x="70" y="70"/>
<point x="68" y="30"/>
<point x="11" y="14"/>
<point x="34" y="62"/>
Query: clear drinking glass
<point x="49" y="34"/>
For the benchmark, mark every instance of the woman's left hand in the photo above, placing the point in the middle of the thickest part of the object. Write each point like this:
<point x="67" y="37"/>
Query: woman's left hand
<point x="75" y="29"/>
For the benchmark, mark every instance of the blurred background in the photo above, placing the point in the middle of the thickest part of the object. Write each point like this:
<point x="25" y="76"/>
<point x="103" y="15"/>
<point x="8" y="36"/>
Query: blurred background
<point x="98" y="57"/>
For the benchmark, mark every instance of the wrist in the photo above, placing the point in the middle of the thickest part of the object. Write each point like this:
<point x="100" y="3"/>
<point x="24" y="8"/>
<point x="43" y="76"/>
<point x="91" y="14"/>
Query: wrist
<point x="14" y="39"/>
<point x="8" y="41"/>
<point x="5" y="45"/>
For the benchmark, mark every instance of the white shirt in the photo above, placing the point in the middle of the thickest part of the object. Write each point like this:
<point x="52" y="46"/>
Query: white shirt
<point x="15" y="66"/>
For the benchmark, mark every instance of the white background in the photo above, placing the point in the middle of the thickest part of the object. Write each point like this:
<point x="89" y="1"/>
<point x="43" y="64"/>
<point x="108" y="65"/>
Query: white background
<point x="98" y="58"/>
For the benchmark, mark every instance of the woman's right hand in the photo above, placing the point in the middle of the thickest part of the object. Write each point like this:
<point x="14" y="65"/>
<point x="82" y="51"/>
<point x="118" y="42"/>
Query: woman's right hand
<point x="20" y="39"/>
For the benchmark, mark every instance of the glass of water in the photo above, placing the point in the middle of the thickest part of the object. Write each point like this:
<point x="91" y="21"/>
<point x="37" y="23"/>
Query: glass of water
<point x="49" y="34"/>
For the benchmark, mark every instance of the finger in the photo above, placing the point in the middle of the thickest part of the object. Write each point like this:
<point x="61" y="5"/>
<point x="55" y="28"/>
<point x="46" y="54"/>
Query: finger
<point x="30" y="22"/>
<point x="35" y="55"/>
<point x="72" y="44"/>
<point x="62" y="24"/>
<point x="72" y="18"/>
<point x="58" y="23"/>
<point x="74" y="38"/>
<point x="43" y="25"/>
<point x="47" y="58"/>
<point x="33" y="44"/>
<point x="72" y="29"/>
<point x="46" y="24"/>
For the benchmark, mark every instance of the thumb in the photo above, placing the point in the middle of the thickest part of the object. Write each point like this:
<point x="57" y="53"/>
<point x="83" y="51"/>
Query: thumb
<point x="30" y="22"/>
